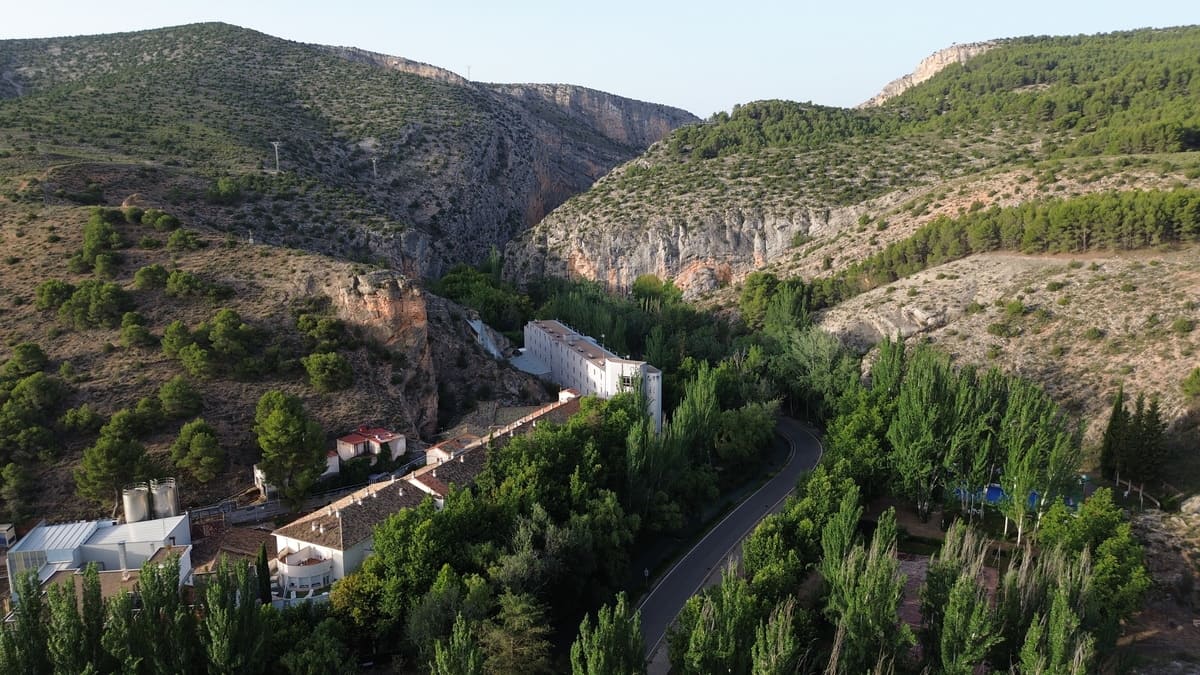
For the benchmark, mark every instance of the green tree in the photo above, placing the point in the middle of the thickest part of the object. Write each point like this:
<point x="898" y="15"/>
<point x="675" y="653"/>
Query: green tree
<point x="27" y="358"/>
<point x="198" y="451"/>
<point x="920" y="428"/>
<point x="459" y="655"/>
<point x="328" y="371"/>
<point x="134" y="332"/>
<point x="232" y="631"/>
<point x="150" y="277"/>
<point x="175" y="338"/>
<point x="51" y="294"/>
<point x="111" y="462"/>
<point x="613" y="645"/>
<point x="263" y="569"/>
<point x="516" y="641"/>
<point x="968" y="630"/>
<point x="715" y="632"/>
<point x="15" y="487"/>
<point x="291" y="442"/>
<point x="29" y="630"/>
<point x="179" y="398"/>
<point x="776" y="650"/>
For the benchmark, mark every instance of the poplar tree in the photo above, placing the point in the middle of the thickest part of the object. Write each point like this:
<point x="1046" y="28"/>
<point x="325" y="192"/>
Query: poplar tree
<point x="613" y="645"/>
<point x="66" y="644"/>
<point x="919" y="429"/>
<point x="969" y="629"/>
<point x="459" y="655"/>
<point x="776" y="650"/>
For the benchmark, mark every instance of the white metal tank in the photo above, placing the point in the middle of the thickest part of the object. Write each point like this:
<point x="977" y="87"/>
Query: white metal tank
<point x="136" y="500"/>
<point x="165" y="498"/>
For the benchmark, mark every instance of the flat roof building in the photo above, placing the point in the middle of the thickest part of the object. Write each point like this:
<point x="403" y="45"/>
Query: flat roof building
<point x="575" y="360"/>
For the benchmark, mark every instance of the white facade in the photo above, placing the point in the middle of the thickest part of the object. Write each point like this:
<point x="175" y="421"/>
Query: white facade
<point x="578" y="362"/>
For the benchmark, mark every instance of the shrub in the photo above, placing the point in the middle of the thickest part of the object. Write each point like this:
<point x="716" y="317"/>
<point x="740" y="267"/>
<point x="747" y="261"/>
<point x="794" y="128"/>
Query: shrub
<point x="1002" y="329"/>
<point x="181" y="284"/>
<point x="1014" y="308"/>
<point x="150" y="243"/>
<point x="328" y="371"/>
<point x="51" y="294"/>
<point x="175" y="338"/>
<point x="95" y="304"/>
<point x="196" y="360"/>
<point x="1183" y="325"/>
<point x="1093" y="333"/>
<point x="1191" y="384"/>
<point x="1055" y="286"/>
<point x="133" y="215"/>
<point x="183" y="240"/>
<point x="166" y="222"/>
<point x="134" y="332"/>
<point x="82" y="420"/>
<point x="150" y="276"/>
<point x="179" y="398"/>
<point x="27" y="358"/>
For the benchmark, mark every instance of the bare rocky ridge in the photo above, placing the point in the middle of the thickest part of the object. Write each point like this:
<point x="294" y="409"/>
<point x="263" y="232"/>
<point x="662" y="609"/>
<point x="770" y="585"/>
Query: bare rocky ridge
<point x="927" y="68"/>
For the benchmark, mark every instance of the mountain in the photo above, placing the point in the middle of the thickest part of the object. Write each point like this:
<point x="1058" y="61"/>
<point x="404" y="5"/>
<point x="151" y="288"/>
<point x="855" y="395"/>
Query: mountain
<point x="863" y="204"/>
<point x="382" y="158"/>
<point x="715" y="201"/>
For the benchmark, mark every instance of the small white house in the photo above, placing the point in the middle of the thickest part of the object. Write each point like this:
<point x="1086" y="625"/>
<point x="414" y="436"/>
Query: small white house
<point x="371" y="441"/>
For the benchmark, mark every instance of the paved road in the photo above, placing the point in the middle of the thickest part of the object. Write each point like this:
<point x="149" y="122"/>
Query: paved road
<point x="689" y="574"/>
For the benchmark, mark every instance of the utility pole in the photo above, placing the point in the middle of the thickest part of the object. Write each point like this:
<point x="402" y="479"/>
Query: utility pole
<point x="468" y="71"/>
<point x="375" y="166"/>
<point x="276" y="144"/>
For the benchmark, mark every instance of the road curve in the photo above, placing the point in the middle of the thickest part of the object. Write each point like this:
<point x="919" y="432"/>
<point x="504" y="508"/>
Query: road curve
<point x="662" y="604"/>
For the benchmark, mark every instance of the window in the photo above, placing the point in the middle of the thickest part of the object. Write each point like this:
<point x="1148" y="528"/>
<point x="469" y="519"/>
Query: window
<point x="626" y="382"/>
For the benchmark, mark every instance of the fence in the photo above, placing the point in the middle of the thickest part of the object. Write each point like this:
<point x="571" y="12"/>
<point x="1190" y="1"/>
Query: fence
<point x="1141" y="490"/>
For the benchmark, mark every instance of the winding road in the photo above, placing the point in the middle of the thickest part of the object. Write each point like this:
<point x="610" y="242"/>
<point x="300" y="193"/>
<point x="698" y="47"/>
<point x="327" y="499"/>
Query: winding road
<point x="701" y="565"/>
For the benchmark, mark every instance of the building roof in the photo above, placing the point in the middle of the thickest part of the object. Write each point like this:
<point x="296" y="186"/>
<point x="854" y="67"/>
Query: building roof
<point x="65" y="536"/>
<point x="366" y="433"/>
<point x="579" y="343"/>
<point x="234" y="542"/>
<point x="460" y="470"/>
<point x="456" y="444"/>
<point x="146" y="530"/>
<point x="352" y="519"/>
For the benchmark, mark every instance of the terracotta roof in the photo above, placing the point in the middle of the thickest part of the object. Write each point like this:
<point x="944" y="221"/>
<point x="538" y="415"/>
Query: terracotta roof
<point x="460" y="471"/>
<point x="352" y="519"/>
<point x="235" y="542"/>
<point x="456" y="444"/>
<point x="353" y="439"/>
<point x="365" y="433"/>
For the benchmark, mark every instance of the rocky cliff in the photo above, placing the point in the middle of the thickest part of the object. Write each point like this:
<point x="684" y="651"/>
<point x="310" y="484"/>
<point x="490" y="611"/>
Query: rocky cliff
<point x="927" y="68"/>
<point x="441" y="367"/>
<point x="700" y="252"/>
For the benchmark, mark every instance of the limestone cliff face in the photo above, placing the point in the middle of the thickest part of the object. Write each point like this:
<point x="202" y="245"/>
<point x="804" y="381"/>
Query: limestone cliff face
<point x="625" y="121"/>
<point x="927" y="68"/>
<point x="442" y="367"/>
<point x="395" y="63"/>
<point x="393" y="311"/>
<point x="700" y="252"/>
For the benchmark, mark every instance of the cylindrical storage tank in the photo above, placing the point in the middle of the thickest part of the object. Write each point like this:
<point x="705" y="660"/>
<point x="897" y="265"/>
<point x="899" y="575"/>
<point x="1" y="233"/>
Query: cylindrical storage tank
<point x="164" y="498"/>
<point x="136" y="500"/>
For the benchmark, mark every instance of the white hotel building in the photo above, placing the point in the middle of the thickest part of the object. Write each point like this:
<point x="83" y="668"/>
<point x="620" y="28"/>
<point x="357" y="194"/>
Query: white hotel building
<point x="576" y="361"/>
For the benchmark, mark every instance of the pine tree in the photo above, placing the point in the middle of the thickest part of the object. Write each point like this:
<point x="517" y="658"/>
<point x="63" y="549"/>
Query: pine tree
<point x="516" y="641"/>
<point x="291" y="443"/>
<point x="613" y="646"/>
<point x="1115" y="435"/>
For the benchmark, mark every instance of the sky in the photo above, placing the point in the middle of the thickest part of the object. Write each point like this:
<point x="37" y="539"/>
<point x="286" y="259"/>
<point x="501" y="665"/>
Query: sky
<point x="703" y="56"/>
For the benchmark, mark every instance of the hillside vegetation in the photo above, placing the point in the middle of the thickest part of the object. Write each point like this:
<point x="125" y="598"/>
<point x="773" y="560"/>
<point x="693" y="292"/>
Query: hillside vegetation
<point x="378" y="163"/>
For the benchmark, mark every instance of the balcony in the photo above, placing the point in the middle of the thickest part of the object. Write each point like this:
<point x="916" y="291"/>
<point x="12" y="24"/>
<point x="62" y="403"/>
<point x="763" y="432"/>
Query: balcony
<point x="303" y="568"/>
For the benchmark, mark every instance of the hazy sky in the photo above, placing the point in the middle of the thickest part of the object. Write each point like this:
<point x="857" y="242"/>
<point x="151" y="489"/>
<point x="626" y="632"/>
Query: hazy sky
<point x="703" y="55"/>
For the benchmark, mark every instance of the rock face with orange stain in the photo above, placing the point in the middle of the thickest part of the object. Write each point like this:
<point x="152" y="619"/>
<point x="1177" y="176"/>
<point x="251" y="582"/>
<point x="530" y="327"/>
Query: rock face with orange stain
<point x="442" y="367"/>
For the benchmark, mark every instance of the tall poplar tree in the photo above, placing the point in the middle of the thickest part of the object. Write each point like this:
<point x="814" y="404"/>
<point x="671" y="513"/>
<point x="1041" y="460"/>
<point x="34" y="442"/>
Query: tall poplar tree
<point x="613" y="645"/>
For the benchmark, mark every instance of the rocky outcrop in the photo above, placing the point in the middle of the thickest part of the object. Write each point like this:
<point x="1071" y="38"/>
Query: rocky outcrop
<point x="443" y="368"/>
<point x="397" y="63"/>
<point x="699" y="252"/>
<point x="928" y="67"/>
<point x="635" y="124"/>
